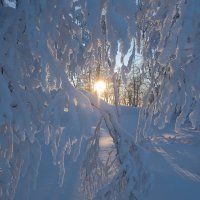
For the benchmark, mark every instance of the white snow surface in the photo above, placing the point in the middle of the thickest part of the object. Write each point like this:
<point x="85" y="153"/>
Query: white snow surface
<point x="171" y="158"/>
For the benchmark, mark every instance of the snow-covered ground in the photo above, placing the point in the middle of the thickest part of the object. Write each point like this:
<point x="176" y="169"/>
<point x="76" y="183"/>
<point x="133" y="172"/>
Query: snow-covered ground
<point x="173" y="161"/>
<point x="172" y="158"/>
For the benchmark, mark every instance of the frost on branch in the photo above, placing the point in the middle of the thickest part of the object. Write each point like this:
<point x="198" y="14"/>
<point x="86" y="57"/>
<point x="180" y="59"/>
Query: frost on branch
<point x="36" y="99"/>
<point x="170" y="43"/>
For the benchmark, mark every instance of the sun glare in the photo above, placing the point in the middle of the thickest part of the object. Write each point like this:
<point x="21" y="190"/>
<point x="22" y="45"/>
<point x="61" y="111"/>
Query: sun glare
<point x="99" y="87"/>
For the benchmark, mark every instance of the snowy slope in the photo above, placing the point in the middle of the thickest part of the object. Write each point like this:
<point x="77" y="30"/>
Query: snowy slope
<point x="173" y="159"/>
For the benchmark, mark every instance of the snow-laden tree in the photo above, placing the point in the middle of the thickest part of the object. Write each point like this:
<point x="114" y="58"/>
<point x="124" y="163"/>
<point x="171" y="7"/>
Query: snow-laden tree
<point x="42" y="44"/>
<point x="37" y="40"/>
<point x="168" y="34"/>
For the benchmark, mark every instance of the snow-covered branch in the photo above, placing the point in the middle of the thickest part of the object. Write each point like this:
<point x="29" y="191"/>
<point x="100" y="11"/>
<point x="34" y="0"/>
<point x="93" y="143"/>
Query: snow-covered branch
<point x="131" y="180"/>
<point x="171" y="42"/>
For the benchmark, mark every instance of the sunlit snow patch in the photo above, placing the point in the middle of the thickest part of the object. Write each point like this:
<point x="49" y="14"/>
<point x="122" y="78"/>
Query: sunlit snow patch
<point x="105" y="141"/>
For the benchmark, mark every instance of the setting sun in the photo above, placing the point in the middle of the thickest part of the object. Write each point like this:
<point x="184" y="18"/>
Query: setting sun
<point x="99" y="87"/>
